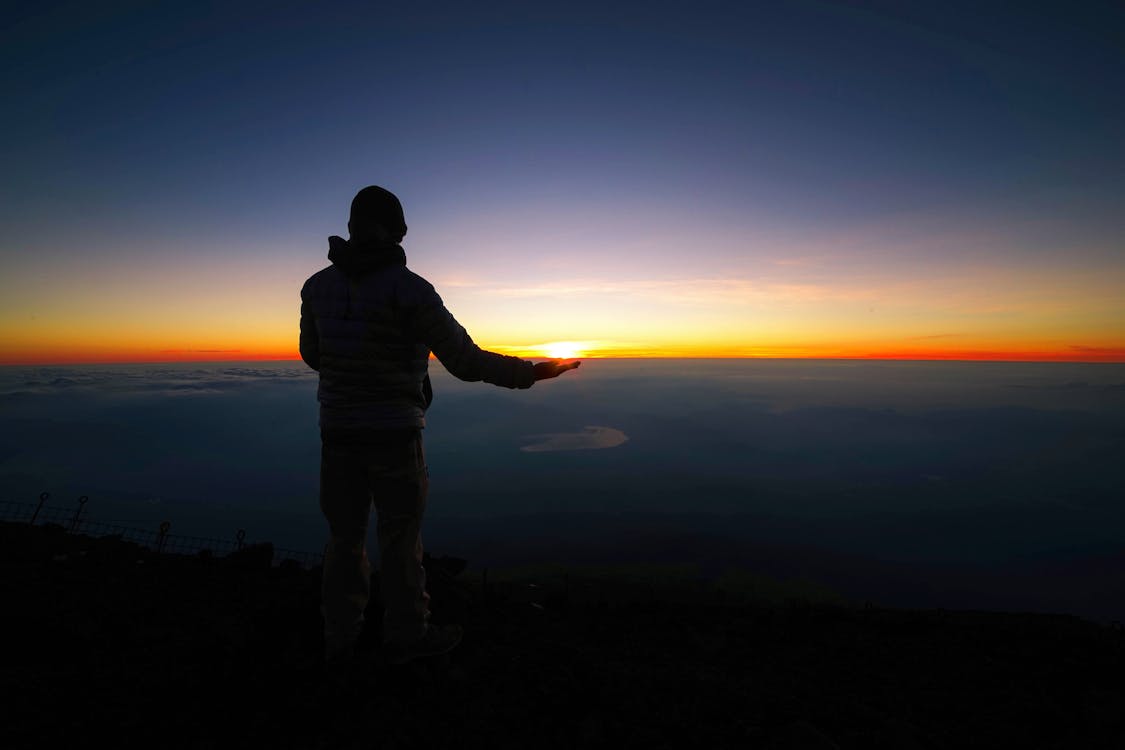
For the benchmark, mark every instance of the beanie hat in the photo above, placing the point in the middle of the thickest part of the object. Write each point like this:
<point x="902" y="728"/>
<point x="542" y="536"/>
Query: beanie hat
<point x="375" y="206"/>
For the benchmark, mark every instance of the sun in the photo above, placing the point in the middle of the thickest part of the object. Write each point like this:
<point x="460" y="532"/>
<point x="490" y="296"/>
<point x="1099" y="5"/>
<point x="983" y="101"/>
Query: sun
<point x="562" y="350"/>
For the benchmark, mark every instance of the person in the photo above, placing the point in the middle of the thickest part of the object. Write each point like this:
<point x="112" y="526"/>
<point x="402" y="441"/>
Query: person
<point x="368" y="325"/>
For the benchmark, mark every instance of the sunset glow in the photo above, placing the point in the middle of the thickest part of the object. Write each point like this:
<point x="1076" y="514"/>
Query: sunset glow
<point x="562" y="350"/>
<point x="964" y="204"/>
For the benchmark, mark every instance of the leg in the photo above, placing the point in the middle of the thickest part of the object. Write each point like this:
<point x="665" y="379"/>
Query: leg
<point x="400" y="485"/>
<point x="345" y="500"/>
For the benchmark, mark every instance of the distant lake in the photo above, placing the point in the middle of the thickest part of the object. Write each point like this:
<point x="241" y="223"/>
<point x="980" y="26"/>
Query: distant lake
<point x="956" y="484"/>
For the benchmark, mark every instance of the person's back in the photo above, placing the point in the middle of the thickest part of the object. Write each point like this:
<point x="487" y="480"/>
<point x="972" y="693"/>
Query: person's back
<point x="371" y="371"/>
<point x="368" y="325"/>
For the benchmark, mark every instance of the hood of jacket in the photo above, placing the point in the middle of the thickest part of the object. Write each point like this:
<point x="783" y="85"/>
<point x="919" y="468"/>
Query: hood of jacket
<point x="358" y="258"/>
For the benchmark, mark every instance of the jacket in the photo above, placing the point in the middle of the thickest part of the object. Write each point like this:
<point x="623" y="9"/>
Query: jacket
<point x="368" y="325"/>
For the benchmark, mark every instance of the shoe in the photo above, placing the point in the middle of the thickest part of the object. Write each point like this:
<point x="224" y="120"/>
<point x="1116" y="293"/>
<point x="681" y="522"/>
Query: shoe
<point x="438" y="640"/>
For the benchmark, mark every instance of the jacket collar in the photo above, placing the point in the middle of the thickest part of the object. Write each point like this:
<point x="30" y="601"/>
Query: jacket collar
<point x="357" y="258"/>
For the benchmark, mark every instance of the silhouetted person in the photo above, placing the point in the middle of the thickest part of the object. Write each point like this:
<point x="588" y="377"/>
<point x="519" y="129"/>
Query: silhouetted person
<point x="368" y="325"/>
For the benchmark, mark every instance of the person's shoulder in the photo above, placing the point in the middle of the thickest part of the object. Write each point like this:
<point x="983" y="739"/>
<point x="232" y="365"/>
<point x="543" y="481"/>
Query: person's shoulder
<point x="319" y="277"/>
<point x="414" y="284"/>
<point x="327" y="270"/>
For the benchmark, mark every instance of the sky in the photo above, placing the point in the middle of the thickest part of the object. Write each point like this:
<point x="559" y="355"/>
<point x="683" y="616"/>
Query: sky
<point x="803" y="179"/>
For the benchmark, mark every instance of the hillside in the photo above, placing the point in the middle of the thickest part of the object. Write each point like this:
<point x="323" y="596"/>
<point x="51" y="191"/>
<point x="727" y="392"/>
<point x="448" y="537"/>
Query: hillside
<point x="111" y="641"/>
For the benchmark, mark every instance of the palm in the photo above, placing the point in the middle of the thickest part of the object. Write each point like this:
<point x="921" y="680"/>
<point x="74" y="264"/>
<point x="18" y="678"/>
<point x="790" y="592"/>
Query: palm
<point x="552" y="368"/>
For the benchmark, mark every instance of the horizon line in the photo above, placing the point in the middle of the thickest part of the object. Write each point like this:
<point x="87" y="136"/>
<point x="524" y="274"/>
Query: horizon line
<point x="1005" y="358"/>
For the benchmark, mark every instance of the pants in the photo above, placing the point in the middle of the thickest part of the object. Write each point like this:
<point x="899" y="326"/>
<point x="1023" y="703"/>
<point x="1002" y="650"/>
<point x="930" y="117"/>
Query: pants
<point x="391" y="474"/>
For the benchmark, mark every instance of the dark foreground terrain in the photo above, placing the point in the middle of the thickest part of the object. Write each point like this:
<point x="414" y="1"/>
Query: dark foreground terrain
<point x="112" y="643"/>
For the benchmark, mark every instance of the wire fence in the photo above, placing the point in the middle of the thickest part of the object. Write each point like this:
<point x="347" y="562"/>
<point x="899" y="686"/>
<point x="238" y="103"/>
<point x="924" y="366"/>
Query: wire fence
<point x="75" y="521"/>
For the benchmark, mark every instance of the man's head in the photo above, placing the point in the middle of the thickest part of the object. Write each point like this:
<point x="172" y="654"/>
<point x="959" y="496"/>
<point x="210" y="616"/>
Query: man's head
<point x="376" y="215"/>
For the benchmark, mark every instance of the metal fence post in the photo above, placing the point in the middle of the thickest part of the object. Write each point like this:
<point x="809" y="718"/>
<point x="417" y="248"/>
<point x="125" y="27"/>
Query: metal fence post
<point x="42" y="499"/>
<point x="164" y="526"/>
<point x="78" y="513"/>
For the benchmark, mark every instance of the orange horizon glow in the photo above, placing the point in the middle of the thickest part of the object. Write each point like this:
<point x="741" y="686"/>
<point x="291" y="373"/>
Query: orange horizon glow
<point x="571" y="350"/>
<point x="844" y="306"/>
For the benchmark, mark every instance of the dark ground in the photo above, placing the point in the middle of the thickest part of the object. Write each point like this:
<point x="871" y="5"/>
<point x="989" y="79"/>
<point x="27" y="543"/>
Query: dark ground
<point x="108" y="641"/>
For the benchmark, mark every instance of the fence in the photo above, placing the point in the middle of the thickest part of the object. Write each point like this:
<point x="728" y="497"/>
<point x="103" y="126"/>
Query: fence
<point x="75" y="521"/>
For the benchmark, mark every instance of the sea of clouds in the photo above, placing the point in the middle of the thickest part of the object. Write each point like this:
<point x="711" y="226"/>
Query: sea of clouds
<point x="966" y="484"/>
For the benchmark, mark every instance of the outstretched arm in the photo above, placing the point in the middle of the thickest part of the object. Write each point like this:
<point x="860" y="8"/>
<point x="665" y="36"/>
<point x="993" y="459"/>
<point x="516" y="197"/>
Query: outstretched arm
<point x="452" y="345"/>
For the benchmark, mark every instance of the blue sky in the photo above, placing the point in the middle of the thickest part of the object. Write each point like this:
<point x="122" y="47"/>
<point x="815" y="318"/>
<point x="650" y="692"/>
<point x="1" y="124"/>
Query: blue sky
<point x="193" y="158"/>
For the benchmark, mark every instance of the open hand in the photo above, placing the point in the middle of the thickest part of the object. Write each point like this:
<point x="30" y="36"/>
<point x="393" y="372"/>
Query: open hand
<point x="552" y="368"/>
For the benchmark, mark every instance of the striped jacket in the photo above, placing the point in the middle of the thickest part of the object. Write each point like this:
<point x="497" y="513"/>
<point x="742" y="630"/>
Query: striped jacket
<point x="368" y="325"/>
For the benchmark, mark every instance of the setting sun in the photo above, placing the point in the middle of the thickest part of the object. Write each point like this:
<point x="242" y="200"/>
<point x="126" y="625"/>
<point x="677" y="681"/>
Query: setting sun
<point x="562" y="350"/>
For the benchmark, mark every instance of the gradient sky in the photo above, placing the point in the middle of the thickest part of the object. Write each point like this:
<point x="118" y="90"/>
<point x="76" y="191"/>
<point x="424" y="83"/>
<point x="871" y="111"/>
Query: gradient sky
<point x="705" y="179"/>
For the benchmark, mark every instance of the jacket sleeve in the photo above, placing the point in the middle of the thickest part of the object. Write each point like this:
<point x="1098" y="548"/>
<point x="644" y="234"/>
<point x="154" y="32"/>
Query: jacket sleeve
<point x="310" y="339"/>
<point x="451" y="344"/>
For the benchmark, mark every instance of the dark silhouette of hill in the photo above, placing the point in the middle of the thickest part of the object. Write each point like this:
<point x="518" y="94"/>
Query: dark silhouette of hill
<point x="111" y="642"/>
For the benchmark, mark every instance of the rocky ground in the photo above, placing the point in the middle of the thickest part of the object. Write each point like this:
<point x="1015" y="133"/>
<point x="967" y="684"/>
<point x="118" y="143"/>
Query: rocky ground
<point x="111" y="642"/>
